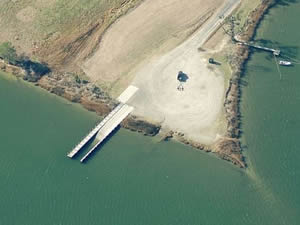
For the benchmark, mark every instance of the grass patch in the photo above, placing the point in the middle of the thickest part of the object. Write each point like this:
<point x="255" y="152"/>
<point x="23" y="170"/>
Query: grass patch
<point x="247" y="6"/>
<point x="54" y="16"/>
<point x="65" y="14"/>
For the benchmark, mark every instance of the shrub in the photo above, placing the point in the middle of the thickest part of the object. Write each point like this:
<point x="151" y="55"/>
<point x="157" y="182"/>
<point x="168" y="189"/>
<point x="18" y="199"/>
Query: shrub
<point x="8" y="53"/>
<point x="34" y="70"/>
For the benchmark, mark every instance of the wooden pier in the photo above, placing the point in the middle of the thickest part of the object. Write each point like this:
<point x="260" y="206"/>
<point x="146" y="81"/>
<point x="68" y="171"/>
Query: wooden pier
<point x="275" y="52"/>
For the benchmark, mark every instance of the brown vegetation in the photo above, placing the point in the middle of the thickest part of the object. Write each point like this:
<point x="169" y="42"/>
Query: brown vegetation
<point x="15" y="70"/>
<point x="230" y="150"/>
<point x="230" y="147"/>
<point x="134" y="123"/>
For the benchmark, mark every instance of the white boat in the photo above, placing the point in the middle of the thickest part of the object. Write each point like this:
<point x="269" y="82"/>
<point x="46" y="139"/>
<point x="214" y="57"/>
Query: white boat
<point x="285" y="63"/>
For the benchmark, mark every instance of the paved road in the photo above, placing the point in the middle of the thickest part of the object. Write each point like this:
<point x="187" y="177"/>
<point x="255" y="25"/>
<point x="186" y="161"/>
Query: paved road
<point x="207" y="30"/>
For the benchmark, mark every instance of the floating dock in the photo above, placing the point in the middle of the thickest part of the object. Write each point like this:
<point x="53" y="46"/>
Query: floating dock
<point x="109" y="126"/>
<point x="93" y="132"/>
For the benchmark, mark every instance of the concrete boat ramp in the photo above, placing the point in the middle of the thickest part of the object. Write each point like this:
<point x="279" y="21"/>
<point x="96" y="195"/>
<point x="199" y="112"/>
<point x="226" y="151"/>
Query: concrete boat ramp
<point x="108" y="124"/>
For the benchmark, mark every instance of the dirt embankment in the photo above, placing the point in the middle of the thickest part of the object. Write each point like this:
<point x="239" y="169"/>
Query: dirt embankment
<point x="15" y="70"/>
<point x="92" y="98"/>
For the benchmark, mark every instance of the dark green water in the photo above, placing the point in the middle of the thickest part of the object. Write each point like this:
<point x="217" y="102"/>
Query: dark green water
<point x="135" y="180"/>
<point x="271" y="112"/>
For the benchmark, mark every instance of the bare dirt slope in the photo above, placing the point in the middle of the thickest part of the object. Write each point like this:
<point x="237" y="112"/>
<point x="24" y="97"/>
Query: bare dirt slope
<point x="154" y="27"/>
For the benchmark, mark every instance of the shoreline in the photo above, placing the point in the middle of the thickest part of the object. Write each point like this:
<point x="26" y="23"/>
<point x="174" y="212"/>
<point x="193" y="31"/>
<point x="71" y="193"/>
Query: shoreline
<point x="91" y="97"/>
<point x="231" y="145"/>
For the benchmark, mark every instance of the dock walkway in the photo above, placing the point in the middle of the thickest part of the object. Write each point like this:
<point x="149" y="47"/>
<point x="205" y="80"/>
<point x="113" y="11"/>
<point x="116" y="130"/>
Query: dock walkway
<point x="275" y="52"/>
<point x="108" y="127"/>
<point x="108" y="124"/>
<point x="94" y="131"/>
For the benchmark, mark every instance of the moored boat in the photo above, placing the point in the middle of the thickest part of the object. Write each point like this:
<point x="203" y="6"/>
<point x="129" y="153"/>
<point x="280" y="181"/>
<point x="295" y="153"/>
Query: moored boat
<point x="285" y="63"/>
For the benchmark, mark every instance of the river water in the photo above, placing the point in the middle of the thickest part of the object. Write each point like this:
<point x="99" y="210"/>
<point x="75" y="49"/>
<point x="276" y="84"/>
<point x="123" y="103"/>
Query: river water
<point x="136" y="180"/>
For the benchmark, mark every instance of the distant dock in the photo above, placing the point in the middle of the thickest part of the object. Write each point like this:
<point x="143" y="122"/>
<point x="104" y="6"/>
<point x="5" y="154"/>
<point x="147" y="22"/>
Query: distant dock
<point x="275" y="52"/>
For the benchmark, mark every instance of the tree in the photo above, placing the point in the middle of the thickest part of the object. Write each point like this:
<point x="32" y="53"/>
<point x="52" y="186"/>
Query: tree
<point x="8" y="53"/>
<point x="231" y="26"/>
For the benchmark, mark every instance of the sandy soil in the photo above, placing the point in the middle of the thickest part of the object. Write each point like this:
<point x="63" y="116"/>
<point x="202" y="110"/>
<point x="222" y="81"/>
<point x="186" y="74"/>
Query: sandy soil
<point x="196" y="111"/>
<point x="154" y="24"/>
<point x="192" y="111"/>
